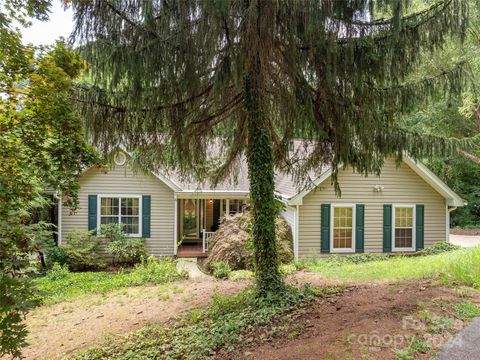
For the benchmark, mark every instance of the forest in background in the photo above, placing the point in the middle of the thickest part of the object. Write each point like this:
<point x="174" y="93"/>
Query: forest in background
<point x="455" y="116"/>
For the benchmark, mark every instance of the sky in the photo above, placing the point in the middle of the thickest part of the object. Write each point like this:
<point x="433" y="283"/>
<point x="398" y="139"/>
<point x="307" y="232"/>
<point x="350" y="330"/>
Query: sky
<point x="60" y="24"/>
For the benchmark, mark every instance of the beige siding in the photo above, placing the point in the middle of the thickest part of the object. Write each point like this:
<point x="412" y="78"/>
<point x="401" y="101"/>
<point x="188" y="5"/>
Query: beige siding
<point x="121" y="180"/>
<point x="401" y="186"/>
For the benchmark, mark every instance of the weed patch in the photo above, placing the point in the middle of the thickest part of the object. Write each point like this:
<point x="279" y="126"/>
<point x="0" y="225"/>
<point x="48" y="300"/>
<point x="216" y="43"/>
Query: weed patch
<point x="466" y="310"/>
<point x="454" y="267"/>
<point x="202" y="333"/>
<point x="59" y="284"/>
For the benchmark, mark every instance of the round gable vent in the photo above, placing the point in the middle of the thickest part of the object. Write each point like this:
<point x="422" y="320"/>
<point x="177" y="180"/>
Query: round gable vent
<point x="120" y="158"/>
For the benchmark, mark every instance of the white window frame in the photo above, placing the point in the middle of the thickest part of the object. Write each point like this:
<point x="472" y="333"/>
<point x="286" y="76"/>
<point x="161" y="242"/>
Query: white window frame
<point x="332" y="215"/>
<point x="119" y="197"/>
<point x="414" y="243"/>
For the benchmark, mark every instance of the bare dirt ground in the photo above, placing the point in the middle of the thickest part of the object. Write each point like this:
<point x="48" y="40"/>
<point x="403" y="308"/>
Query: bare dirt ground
<point x="467" y="232"/>
<point x="63" y="328"/>
<point x="319" y="332"/>
<point x="365" y="322"/>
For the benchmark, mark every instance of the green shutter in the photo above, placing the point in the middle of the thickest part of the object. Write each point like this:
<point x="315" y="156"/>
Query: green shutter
<point x="419" y="226"/>
<point x="325" y="229"/>
<point x="387" y="228"/>
<point x="92" y="212"/>
<point x="359" y="227"/>
<point x="146" y="200"/>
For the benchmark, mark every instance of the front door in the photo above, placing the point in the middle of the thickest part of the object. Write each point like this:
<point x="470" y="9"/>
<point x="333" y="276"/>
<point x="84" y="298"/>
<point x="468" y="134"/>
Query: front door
<point x="190" y="219"/>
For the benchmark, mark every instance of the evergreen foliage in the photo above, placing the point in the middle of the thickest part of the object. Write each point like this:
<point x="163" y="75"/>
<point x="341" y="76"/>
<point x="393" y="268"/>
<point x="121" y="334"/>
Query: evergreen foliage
<point x="172" y="79"/>
<point x="83" y="250"/>
<point x="457" y="115"/>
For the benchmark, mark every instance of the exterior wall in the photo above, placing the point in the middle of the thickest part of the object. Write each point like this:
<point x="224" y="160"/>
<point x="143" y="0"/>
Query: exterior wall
<point x="122" y="180"/>
<point x="401" y="186"/>
<point x="289" y="214"/>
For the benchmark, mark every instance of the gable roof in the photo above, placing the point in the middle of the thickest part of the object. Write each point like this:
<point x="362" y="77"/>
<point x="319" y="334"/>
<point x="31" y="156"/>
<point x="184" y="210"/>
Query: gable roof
<point x="421" y="170"/>
<point x="285" y="186"/>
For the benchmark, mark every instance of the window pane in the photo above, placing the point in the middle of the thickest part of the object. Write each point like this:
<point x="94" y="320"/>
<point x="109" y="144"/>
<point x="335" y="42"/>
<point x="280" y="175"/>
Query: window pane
<point x="130" y="206"/>
<point x="108" y="220"/>
<point x="342" y="227"/>
<point x="130" y="225"/>
<point x="404" y="217"/>
<point x="109" y="206"/>
<point x="409" y="217"/>
<point x="403" y="238"/>
<point x="342" y="238"/>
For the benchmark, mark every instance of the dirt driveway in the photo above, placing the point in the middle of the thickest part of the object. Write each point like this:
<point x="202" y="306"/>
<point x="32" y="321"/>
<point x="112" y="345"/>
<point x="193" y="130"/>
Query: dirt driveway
<point x="63" y="328"/>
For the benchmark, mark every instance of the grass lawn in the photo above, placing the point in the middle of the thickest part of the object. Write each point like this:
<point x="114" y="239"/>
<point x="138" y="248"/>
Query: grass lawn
<point x="59" y="284"/>
<point x="461" y="266"/>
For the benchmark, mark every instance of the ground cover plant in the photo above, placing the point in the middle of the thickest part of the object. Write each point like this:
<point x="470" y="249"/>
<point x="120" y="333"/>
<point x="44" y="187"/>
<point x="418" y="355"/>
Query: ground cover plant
<point x="460" y="266"/>
<point x="201" y="333"/>
<point x="59" y="284"/>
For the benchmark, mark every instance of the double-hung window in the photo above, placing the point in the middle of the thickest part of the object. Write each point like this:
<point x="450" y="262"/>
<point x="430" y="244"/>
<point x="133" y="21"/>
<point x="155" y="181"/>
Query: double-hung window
<point x="342" y="228"/>
<point x="124" y="210"/>
<point x="403" y="228"/>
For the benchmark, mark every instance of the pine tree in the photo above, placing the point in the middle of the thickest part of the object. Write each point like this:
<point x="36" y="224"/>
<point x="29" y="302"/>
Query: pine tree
<point x="171" y="79"/>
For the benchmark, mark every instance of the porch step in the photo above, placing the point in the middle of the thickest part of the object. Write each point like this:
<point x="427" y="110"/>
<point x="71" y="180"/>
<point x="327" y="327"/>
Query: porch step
<point x="191" y="251"/>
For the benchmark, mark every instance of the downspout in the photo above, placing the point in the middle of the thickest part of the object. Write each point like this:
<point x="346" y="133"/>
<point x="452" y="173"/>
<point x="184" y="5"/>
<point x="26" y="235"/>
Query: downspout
<point x="295" y="242"/>
<point x="447" y="230"/>
<point x="175" y="224"/>
<point x="58" y="195"/>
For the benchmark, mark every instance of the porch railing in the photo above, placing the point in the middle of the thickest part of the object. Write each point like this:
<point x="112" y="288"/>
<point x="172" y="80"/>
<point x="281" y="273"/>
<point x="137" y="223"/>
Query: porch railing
<point x="206" y="236"/>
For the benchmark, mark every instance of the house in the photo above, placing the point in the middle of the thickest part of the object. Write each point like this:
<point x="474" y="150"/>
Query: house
<point x="403" y="210"/>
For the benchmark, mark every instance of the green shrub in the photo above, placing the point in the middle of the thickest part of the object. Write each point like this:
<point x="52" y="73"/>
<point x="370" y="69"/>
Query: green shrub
<point x="439" y="247"/>
<point x="287" y="269"/>
<point x="82" y="250"/>
<point x="157" y="271"/>
<point x="221" y="269"/>
<point x="237" y="275"/>
<point x="57" y="272"/>
<point x="123" y="249"/>
<point x="56" y="255"/>
<point x="336" y="260"/>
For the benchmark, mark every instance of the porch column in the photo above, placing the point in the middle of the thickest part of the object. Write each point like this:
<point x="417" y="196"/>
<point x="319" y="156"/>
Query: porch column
<point x="175" y="225"/>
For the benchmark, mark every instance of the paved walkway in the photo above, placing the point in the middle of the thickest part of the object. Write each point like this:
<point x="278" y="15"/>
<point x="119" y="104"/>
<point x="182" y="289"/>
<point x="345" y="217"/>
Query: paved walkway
<point x="465" y="241"/>
<point x="190" y="266"/>
<point x="463" y="346"/>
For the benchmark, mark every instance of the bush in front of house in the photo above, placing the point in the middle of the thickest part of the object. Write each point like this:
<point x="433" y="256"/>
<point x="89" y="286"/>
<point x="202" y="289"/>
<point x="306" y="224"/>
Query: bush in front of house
<point x="57" y="272"/>
<point x="82" y="249"/>
<point x="55" y="255"/>
<point x="439" y="247"/>
<point x="233" y="245"/>
<point x="122" y="248"/>
<point x="156" y="271"/>
<point x="220" y="269"/>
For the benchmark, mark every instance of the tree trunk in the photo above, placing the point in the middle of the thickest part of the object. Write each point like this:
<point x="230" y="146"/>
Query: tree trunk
<point x="261" y="175"/>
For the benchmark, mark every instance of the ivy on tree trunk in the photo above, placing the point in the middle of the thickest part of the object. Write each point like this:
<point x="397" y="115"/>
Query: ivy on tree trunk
<point x="261" y="176"/>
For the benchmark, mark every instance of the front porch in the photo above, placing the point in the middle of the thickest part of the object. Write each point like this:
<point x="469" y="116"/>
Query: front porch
<point x="197" y="220"/>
